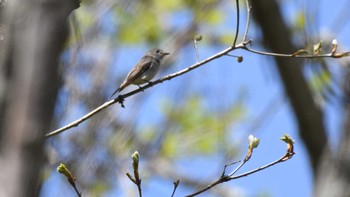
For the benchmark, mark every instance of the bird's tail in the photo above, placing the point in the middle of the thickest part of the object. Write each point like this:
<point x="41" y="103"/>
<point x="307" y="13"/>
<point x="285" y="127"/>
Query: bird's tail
<point x="121" y="87"/>
<point x="117" y="90"/>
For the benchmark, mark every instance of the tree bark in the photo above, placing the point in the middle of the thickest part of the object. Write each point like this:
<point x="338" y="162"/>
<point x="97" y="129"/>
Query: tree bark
<point x="333" y="175"/>
<point x="309" y="116"/>
<point x="35" y="33"/>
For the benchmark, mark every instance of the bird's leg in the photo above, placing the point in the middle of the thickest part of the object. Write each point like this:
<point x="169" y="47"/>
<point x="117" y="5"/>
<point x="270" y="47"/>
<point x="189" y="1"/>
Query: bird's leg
<point x="146" y="81"/>
<point x="149" y="82"/>
<point x="140" y="88"/>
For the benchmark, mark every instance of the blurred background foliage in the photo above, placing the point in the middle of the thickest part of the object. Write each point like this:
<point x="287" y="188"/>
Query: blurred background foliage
<point x="174" y="123"/>
<point x="177" y="126"/>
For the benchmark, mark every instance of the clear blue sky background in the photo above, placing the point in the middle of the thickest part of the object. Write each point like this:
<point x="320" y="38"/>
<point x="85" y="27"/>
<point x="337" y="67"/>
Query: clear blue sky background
<point x="256" y="76"/>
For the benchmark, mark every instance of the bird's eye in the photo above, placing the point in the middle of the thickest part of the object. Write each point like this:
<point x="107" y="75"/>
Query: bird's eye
<point x="158" y="51"/>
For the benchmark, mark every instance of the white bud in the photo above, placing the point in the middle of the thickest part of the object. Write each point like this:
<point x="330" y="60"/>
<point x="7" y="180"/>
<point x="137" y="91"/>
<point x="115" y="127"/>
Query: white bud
<point x="334" y="42"/>
<point x="253" y="141"/>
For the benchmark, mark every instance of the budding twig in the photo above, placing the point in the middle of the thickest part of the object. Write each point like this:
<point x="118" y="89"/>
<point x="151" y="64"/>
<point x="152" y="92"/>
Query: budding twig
<point x="65" y="171"/>
<point x="196" y="39"/>
<point x="253" y="143"/>
<point x="176" y="183"/>
<point x="135" y="166"/>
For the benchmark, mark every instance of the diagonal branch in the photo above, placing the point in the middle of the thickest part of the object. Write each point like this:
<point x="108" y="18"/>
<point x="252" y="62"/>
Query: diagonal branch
<point x="288" y="155"/>
<point x="242" y="45"/>
<point x="120" y="98"/>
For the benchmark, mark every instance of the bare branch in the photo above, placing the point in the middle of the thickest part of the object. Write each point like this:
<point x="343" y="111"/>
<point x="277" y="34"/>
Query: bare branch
<point x="87" y="116"/>
<point x="196" y="48"/>
<point x="293" y="55"/>
<point x="223" y="179"/>
<point x="196" y="39"/>
<point x="242" y="45"/>
<point x="238" y="167"/>
<point x="120" y="98"/>
<point x="288" y="155"/>
<point x="249" y="8"/>
<point x="237" y="24"/>
<point x="176" y="183"/>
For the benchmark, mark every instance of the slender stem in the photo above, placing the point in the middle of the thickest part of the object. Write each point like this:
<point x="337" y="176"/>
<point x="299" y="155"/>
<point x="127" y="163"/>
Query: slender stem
<point x="329" y="55"/>
<point x="82" y="119"/>
<point x="238" y="167"/>
<point x="286" y="157"/>
<point x="139" y="188"/>
<point x="196" y="48"/>
<point x="223" y="172"/>
<point x="176" y="183"/>
<point x="248" y="20"/>
<point x="77" y="191"/>
<point x="223" y="179"/>
<point x="237" y="24"/>
<point x="138" y="181"/>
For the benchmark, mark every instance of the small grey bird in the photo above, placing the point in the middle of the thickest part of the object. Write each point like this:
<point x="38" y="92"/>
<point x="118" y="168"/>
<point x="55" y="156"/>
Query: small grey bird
<point x="144" y="70"/>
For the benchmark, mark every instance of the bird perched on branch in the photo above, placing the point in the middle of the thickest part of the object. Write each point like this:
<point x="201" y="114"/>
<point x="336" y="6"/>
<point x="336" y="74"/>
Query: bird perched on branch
<point x="144" y="70"/>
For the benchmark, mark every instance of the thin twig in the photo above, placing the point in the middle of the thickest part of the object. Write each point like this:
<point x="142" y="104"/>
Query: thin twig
<point x="311" y="56"/>
<point x="77" y="191"/>
<point x="238" y="167"/>
<point x="286" y="157"/>
<point x="139" y="188"/>
<point x="135" y="165"/>
<point x="196" y="48"/>
<point x="62" y="168"/>
<point x="253" y="143"/>
<point x="176" y="183"/>
<point x="220" y="180"/>
<point x="120" y="98"/>
<point x="226" y="165"/>
<point x="77" y="122"/>
<point x="223" y="179"/>
<point x="136" y="180"/>
<point x="248" y="20"/>
<point x="237" y="24"/>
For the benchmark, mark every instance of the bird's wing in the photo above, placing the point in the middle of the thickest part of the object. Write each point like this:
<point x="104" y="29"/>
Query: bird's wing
<point x="141" y="67"/>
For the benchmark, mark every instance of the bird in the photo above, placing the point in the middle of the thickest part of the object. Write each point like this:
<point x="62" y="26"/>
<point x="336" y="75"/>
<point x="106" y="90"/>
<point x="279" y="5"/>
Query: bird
<point x="144" y="70"/>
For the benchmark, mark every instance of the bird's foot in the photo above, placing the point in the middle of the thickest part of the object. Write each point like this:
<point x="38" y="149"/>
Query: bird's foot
<point x="140" y="88"/>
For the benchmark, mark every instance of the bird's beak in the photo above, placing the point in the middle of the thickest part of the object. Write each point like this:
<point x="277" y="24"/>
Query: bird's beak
<point x="165" y="53"/>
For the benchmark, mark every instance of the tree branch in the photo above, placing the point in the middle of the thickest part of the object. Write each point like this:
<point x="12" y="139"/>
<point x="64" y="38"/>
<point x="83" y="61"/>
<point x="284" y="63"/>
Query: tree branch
<point x="295" y="55"/>
<point x="288" y="155"/>
<point x="249" y="8"/>
<point x="237" y="24"/>
<point x="120" y="99"/>
<point x="243" y="45"/>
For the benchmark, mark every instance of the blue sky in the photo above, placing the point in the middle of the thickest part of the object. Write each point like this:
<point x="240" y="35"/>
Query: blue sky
<point x="257" y="77"/>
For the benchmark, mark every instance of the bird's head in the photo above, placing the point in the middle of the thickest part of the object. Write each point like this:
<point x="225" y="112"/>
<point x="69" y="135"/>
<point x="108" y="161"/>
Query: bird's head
<point x="157" y="53"/>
